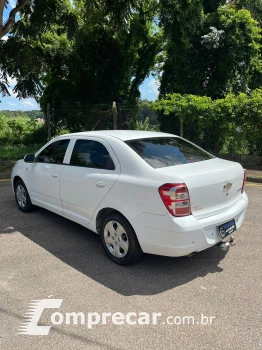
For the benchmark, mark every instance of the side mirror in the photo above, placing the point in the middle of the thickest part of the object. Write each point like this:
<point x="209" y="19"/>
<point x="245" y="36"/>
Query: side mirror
<point x="29" y="158"/>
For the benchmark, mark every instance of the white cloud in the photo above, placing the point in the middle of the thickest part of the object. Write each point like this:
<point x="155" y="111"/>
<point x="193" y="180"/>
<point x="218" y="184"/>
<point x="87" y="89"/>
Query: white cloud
<point x="11" y="104"/>
<point x="4" y="38"/>
<point x="150" y="88"/>
<point x="27" y="103"/>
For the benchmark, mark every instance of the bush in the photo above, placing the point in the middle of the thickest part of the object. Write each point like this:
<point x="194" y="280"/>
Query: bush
<point x="230" y="125"/>
<point x="144" y="125"/>
<point x="21" y="130"/>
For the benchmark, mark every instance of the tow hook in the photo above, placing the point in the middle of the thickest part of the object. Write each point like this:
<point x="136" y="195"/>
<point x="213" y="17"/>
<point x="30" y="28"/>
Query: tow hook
<point x="230" y="243"/>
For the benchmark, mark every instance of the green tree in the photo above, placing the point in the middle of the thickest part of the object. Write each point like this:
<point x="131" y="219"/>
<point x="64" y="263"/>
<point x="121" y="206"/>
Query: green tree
<point x="146" y="111"/>
<point x="253" y="6"/>
<point x="182" y="22"/>
<point x="20" y="55"/>
<point x="212" y="49"/>
<point x="90" y="53"/>
<point x="232" y="124"/>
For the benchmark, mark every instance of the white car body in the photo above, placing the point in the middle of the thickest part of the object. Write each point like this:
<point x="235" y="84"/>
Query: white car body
<point x="81" y="194"/>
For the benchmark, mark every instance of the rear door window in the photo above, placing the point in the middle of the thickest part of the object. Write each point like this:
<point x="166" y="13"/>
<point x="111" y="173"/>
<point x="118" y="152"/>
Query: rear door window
<point x="91" y="154"/>
<point x="162" y="152"/>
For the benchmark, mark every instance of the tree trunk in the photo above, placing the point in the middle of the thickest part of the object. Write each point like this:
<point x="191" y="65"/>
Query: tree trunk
<point x="6" y="27"/>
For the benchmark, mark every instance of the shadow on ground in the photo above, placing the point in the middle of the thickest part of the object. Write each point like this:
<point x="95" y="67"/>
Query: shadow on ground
<point x="82" y="250"/>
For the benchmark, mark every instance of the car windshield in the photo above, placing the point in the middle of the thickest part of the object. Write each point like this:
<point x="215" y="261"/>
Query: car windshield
<point x="160" y="152"/>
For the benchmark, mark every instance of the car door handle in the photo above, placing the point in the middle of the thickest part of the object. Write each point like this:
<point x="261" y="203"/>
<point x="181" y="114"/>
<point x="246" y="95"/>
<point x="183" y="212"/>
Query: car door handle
<point x="54" y="174"/>
<point x="100" y="183"/>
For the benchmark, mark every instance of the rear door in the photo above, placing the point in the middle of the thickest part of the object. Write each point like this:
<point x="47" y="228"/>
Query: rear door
<point x="91" y="172"/>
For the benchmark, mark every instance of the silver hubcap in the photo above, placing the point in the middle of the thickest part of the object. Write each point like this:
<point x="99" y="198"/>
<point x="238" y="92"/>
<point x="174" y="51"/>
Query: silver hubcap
<point x="21" y="196"/>
<point x="116" y="239"/>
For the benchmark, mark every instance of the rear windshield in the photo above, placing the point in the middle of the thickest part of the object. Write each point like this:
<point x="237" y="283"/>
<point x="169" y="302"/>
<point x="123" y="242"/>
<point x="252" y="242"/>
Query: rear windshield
<point x="160" y="152"/>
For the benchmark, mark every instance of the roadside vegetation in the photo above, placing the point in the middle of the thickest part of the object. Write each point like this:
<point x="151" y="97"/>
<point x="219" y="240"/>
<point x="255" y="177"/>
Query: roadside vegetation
<point x="227" y="125"/>
<point x="18" y="136"/>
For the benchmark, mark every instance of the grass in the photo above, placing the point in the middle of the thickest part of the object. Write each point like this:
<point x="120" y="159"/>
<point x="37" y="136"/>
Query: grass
<point x="15" y="152"/>
<point x="9" y="154"/>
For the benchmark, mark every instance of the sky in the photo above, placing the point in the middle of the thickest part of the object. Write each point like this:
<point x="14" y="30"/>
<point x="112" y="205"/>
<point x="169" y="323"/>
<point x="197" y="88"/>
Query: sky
<point x="149" y="88"/>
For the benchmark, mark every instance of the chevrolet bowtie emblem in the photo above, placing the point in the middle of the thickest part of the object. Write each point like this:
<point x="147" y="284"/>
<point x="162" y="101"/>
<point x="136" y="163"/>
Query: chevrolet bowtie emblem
<point x="228" y="186"/>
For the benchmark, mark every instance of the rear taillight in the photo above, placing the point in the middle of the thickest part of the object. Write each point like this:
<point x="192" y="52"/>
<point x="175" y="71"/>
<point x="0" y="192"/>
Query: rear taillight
<point x="244" y="182"/>
<point x="176" y="199"/>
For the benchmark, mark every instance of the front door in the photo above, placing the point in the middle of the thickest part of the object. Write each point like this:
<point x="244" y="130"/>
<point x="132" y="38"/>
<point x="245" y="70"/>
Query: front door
<point x="45" y="174"/>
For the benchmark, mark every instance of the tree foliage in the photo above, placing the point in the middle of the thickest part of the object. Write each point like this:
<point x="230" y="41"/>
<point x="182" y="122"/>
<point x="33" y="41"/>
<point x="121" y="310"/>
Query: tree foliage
<point x="206" y="54"/>
<point x="212" y="48"/>
<point x="98" y="51"/>
<point x="21" y="130"/>
<point x="145" y="125"/>
<point x="33" y="114"/>
<point x="90" y="51"/>
<point x="230" y="124"/>
<point x="146" y="111"/>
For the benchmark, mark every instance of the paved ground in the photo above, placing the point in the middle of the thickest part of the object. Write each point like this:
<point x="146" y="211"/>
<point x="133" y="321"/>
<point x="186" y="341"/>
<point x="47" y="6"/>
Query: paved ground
<point x="46" y="256"/>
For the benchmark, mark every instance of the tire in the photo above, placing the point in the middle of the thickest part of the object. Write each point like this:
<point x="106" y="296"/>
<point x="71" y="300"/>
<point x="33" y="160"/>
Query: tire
<point x="22" y="197"/>
<point x="119" y="240"/>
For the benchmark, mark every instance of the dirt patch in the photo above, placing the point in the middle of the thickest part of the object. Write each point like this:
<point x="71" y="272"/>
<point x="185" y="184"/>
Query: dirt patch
<point x="254" y="173"/>
<point x="6" y="165"/>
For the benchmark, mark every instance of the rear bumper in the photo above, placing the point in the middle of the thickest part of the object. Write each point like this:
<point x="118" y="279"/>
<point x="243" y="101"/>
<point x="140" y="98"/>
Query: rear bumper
<point x="178" y="236"/>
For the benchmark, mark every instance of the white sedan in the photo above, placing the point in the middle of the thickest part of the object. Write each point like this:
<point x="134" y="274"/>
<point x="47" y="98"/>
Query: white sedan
<point x="140" y="191"/>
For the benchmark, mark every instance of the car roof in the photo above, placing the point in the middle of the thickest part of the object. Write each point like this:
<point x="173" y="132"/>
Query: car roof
<point x="123" y="135"/>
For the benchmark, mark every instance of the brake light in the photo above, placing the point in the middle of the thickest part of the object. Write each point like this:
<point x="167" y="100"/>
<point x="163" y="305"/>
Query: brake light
<point x="244" y="182"/>
<point x="176" y="199"/>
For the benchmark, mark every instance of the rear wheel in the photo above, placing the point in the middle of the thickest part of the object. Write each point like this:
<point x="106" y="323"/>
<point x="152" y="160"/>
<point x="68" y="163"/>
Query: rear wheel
<point x="22" y="197"/>
<point x="119" y="240"/>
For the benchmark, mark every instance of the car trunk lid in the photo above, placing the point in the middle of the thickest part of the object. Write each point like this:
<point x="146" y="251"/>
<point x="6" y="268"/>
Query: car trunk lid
<point x="214" y="185"/>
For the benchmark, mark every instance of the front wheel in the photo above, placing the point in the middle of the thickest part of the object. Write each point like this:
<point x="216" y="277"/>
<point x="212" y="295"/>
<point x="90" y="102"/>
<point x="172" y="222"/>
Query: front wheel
<point x="119" y="240"/>
<point x="22" y="197"/>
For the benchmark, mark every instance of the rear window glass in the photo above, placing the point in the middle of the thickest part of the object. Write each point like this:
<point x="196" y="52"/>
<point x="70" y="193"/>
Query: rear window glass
<point x="160" y="152"/>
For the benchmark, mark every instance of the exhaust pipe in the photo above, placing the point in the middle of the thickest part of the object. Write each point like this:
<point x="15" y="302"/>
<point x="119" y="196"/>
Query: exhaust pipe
<point x="225" y="245"/>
